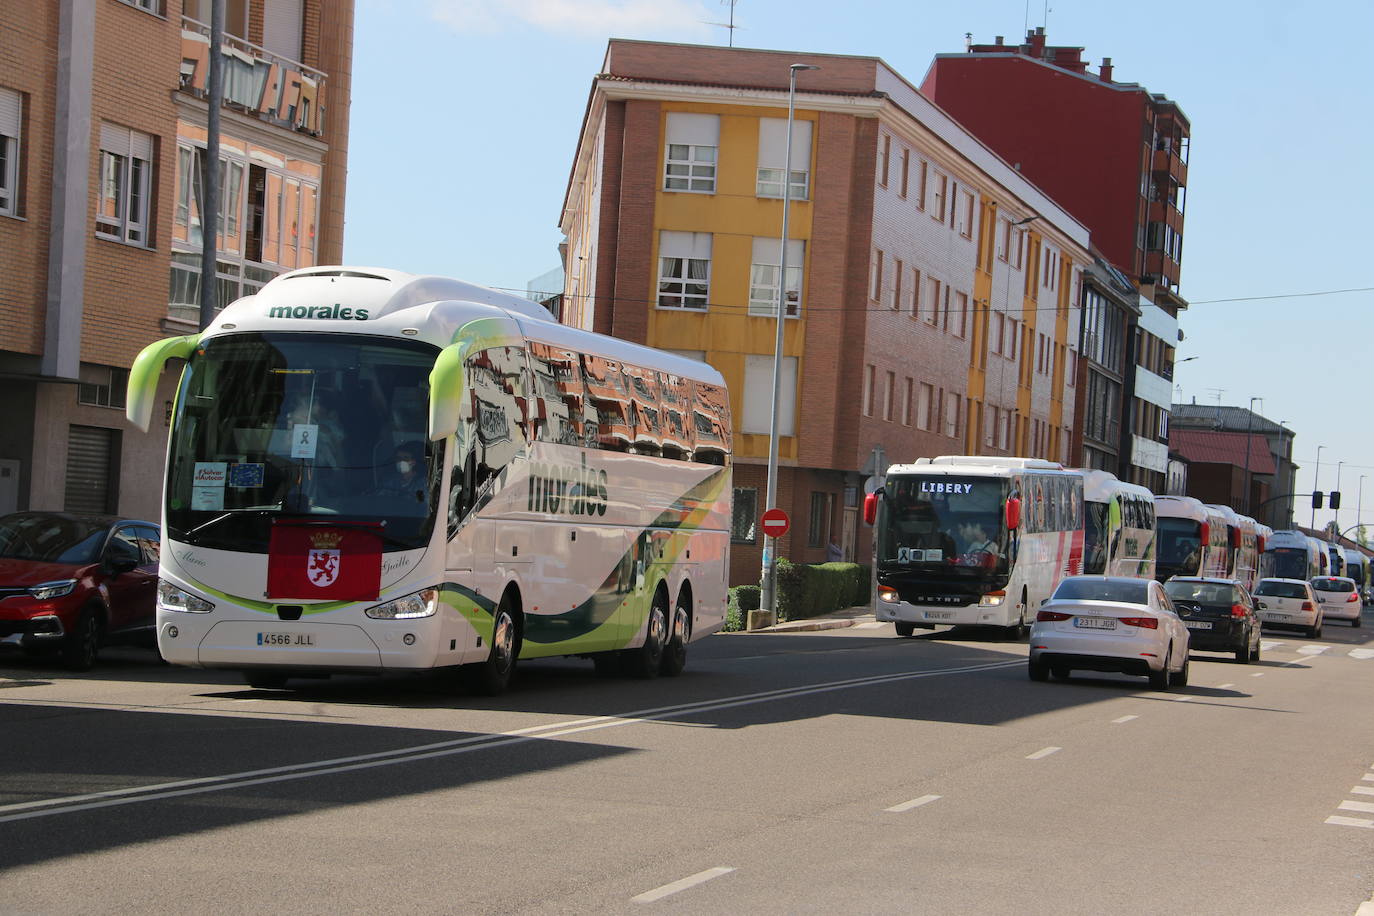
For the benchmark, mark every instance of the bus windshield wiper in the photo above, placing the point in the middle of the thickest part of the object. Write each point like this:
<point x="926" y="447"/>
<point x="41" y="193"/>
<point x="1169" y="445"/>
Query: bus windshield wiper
<point x="190" y="536"/>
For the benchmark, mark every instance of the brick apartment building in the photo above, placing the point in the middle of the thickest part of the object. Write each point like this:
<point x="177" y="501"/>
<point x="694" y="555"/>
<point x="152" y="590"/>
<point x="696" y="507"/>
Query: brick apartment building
<point x="933" y="292"/>
<point x="102" y="135"/>
<point x="1239" y="458"/>
<point x="1115" y="155"/>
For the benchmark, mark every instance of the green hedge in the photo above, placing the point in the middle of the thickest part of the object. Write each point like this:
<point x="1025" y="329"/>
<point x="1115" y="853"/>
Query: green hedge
<point x="804" y="590"/>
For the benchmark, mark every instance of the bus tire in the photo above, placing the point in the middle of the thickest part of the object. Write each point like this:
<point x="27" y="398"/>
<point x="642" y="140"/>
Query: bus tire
<point x="646" y="660"/>
<point x="265" y="680"/>
<point x="608" y="664"/>
<point x="1019" y="630"/>
<point x="675" y="652"/>
<point x="903" y="628"/>
<point x="491" y="677"/>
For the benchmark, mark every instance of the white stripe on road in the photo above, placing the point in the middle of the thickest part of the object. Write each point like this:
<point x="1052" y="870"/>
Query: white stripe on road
<point x="1267" y="644"/>
<point x="1043" y="752"/>
<point x="1124" y="719"/>
<point x="1350" y="821"/>
<point x="1368" y="777"/>
<point x="1181" y="699"/>
<point x="1361" y="790"/>
<point x="45" y="807"/>
<point x="700" y="877"/>
<point x="1364" y="807"/>
<point x="1312" y="650"/>
<point x="914" y="803"/>
<point x="1260" y="674"/>
<point x="1361" y="653"/>
<point x="1224" y="686"/>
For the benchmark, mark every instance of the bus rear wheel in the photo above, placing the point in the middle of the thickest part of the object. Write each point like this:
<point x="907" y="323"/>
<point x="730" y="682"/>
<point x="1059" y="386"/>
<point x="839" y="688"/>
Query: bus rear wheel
<point x="491" y="677"/>
<point x="675" y="652"/>
<point x="645" y="661"/>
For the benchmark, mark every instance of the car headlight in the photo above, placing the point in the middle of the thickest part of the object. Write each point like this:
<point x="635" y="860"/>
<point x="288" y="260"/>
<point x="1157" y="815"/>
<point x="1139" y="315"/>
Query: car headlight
<point x="171" y="598"/>
<point x="419" y="604"/>
<point x="56" y="589"/>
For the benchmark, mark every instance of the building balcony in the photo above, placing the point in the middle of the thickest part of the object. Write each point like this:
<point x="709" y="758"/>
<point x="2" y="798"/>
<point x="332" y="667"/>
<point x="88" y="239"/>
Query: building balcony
<point x="274" y="89"/>
<point x="1168" y="161"/>
<point x="1163" y="212"/>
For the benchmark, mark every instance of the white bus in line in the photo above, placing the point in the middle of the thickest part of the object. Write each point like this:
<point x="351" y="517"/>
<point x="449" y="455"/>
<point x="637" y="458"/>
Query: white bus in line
<point x="1118" y="526"/>
<point x="1291" y="554"/>
<point x="973" y="540"/>
<point x="1193" y="539"/>
<point x="370" y="471"/>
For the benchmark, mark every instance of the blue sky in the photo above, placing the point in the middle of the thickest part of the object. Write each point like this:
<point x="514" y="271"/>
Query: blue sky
<point x="466" y="112"/>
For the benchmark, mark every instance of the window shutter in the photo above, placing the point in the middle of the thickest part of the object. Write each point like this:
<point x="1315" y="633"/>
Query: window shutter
<point x="281" y="33"/>
<point x="693" y="129"/>
<point x="114" y="139"/>
<point x="10" y="108"/>
<point x="90" y="468"/>
<point x="773" y="144"/>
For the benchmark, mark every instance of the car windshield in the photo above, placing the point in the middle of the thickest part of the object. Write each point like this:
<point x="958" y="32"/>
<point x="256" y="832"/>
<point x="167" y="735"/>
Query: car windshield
<point x="1333" y="585"/>
<point x="50" y="538"/>
<point x="1201" y="592"/>
<point x="1114" y="590"/>
<point x="1281" y="589"/>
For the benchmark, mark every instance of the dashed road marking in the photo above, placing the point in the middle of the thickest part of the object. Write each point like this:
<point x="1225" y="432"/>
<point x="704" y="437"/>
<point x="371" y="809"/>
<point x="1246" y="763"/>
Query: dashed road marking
<point x="1368" y="777"/>
<point x="1180" y="699"/>
<point x="914" y="803"/>
<point x="1362" y="807"/>
<point x="1350" y="821"/>
<point x="1361" y="790"/>
<point x="700" y="877"/>
<point x="1124" y="719"/>
<point x="1361" y="653"/>
<point x="1267" y="644"/>
<point x="1043" y="752"/>
<point x="1313" y="650"/>
<point x="1258" y="674"/>
<point x="1224" y="686"/>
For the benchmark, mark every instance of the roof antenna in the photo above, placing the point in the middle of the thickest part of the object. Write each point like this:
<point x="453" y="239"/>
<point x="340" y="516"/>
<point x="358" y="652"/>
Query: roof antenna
<point x="731" y="24"/>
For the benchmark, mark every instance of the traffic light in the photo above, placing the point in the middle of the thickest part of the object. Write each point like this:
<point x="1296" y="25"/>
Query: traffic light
<point x="1317" y="499"/>
<point x="1335" y="499"/>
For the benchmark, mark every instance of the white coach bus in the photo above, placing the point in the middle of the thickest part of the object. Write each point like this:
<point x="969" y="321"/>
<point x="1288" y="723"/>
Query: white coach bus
<point x="1118" y="526"/>
<point x="1291" y="554"/>
<point x="973" y="540"/>
<point x="370" y="471"/>
<point x="1193" y="539"/>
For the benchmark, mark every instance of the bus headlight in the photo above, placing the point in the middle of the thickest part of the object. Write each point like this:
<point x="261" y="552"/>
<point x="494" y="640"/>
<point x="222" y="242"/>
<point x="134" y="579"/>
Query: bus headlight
<point x="419" y="604"/>
<point x="171" y="598"/>
<point x="888" y="595"/>
<point x="992" y="599"/>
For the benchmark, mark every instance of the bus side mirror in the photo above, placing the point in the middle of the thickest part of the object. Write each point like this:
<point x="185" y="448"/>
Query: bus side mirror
<point x="446" y="391"/>
<point x="1013" y="513"/>
<point x="146" y="371"/>
<point x="871" y="508"/>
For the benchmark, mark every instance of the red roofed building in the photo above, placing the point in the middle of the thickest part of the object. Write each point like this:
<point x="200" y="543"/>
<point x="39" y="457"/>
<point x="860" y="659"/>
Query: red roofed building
<point x="1217" y="467"/>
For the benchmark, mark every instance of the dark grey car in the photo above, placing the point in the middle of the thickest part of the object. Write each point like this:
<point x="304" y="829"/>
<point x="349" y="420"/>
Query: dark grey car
<point x="1219" y="615"/>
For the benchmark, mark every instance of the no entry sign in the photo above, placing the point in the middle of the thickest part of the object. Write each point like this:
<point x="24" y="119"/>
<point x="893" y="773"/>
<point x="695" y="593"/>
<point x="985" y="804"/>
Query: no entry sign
<point x="775" y="523"/>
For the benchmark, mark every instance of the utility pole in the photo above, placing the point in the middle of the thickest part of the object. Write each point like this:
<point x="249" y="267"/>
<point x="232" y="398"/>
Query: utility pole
<point x="209" y="212"/>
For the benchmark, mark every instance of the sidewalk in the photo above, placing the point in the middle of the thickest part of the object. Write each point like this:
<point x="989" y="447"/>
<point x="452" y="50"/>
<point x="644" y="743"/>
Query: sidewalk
<point x="835" y="620"/>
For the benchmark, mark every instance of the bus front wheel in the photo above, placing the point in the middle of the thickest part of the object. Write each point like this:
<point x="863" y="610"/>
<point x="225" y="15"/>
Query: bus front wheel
<point x="491" y="677"/>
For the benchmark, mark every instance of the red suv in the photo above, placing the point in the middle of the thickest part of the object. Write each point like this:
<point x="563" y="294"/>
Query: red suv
<point x="71" y="583"/>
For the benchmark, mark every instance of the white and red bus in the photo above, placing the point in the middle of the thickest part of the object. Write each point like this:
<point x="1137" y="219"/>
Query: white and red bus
<point x="1193" y="539"/>
<point x="1118" y="525"/>
<point x="980" y="540"/>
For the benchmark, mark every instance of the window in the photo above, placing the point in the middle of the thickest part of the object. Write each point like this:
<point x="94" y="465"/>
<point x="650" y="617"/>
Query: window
<point x="744" y="516"/>
<point x="773" y="158"/>
<point x="684" y="271"/>
<point x="11" y="111"/>
<point x="906" y="402"/>
<point x="818" y="531"/>
<point x="109" y="391"/>
<point x="906" y="168"/>
<point x="937" y="197"/>
<point x="925" y="407"/>
<point x="953" y="407"/>
<point x="758" y="396"/>
<point x="965" y="215"/>
<point x="933" y="289"/>
<point x="890" y="398"/>
<point x="915" y="292"/>
<point x="884" y="158"/>
<point x="764" y="274"/>
<point x="870" y="381"/>
<point x="693" y="140"/>
<point x="876" y="292"/>
<point x="126" y="165"/>
<point x="921" y="186"/>
<point x="897" y="270"/>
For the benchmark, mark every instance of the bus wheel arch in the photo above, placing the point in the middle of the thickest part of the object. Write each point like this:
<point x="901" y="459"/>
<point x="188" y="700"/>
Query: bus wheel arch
<point x="679" y="633"/>
<point x="492" y="676"/>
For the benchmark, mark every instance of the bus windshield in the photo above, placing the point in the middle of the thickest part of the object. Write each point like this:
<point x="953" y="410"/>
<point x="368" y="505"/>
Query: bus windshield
<point x="944" y="521"/>
<point x="1180" y="546"/>
<point x="1288" y="563"/>
<point x="303" y="425"/>
<point x="1096" y="520"/>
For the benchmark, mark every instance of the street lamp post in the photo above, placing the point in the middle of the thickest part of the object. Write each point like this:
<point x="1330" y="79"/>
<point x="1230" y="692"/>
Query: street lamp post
<point x="1316" y="475"/>
<point x="1335" y="512"/>
<point x="1250" y="425"/>
<point x="768" y="587"/>
<point x="1359" y="501"/>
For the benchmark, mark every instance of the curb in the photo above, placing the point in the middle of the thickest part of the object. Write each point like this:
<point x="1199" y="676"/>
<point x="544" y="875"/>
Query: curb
<point x="801" y="626"/>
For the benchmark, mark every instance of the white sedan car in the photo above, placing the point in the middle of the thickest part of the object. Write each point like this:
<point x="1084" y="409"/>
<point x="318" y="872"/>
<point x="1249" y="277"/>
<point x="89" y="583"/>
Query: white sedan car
<point x="1289" y="603"/>
<point x="1339" y="598"/>
<point x="1110" y="623"/>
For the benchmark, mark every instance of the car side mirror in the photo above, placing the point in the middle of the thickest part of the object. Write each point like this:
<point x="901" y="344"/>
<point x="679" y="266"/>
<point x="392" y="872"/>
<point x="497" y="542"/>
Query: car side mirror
<point x="1044" y="601"/>
<point x="120" y="566"/>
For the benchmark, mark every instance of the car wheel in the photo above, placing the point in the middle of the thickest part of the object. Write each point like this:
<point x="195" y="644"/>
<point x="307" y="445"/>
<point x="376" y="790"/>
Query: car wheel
<point x="1159" y="680"/>
<point x="82" y="644"/>
<point x="1038" y="671"/>
<point x="1180" y="677"/>
<point x="1245" y="653"/>
<point x="1255" y="654"/>
<point x="644" y="662"/>
<point x="491" y="677"/>
<point x="675" y="653"/>
<point x="1060" y="672"/>
<point x="1355" y="622"/>
<point x="903" y="628"/>
<point x="1315" y="631"/>
<point x="265" y="680"/>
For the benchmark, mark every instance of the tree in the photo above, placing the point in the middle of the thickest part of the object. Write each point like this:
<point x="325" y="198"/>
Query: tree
<point x="1360" y="537"/>
<point x="1332" y="530"/>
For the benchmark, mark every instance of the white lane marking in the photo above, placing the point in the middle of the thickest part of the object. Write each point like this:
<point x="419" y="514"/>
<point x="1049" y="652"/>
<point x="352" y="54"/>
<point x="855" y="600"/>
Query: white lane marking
<point x="1351" y="822"/>
<point x="1043" y="752"/>
<point x="914" y="803"/>
<point x="1267" y="644"/>
<point x="1312" y="650"/>
<point x="1364" y="807"/>
<point x="1124" y="719"/>
<point x="1368" y="777"/>
<point x="700" y="877"/>
<point x="1361" y="653"/>
<point x="1361" y="790"/>
<point x="1260" y="674"/>
<point x="45" y="807"/>
<point x="1181" y="699"/>
<point x="1224" y="686"/>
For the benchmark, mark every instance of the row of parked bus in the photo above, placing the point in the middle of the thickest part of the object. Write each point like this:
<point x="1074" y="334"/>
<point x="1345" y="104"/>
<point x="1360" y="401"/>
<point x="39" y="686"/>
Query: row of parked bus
<point x="984" y="540"/>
